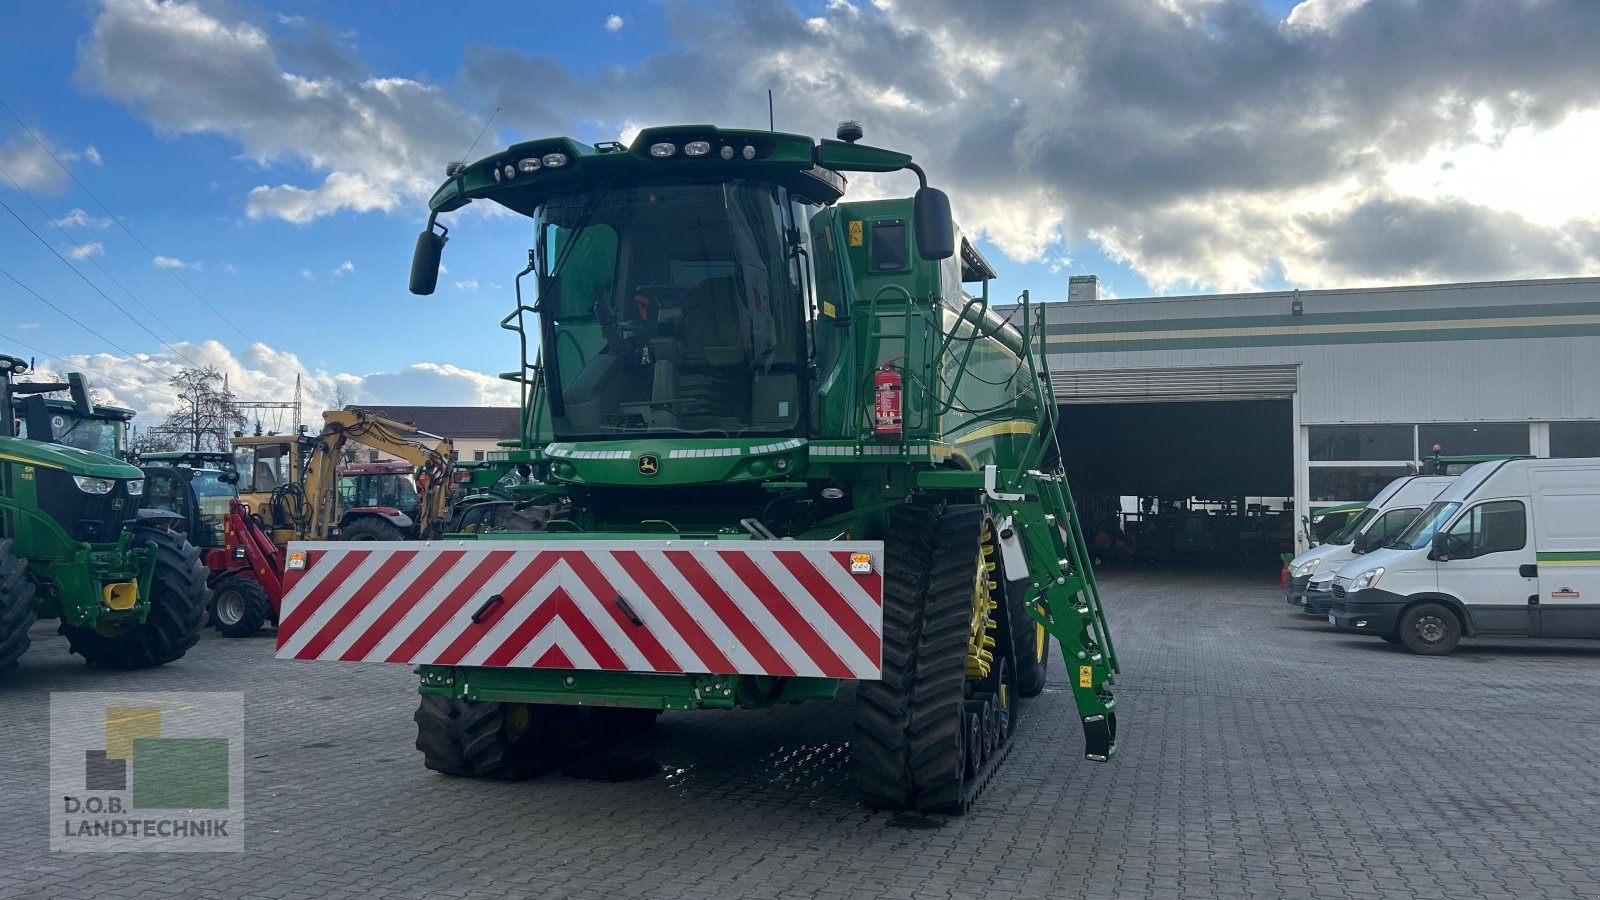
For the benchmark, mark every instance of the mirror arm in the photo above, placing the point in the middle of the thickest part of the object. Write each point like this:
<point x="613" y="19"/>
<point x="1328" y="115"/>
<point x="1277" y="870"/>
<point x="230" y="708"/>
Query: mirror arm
<point x="922" y="177"/>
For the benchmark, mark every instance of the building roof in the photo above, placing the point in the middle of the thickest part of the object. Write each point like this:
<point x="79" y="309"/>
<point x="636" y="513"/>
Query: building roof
<point x="457" y="422"/>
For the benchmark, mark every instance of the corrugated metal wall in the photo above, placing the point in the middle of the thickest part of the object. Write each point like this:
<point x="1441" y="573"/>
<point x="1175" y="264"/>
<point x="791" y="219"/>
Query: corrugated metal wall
<point x="1498" y="351"/>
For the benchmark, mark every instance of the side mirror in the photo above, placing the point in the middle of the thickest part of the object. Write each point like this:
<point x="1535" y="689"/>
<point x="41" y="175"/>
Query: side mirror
<point x="936" y="231"/>
<point x="425" y="262"/>
<point x="1441" y="547"/>
<point x="1365" y="541"/>
<point x="79" y="388"/>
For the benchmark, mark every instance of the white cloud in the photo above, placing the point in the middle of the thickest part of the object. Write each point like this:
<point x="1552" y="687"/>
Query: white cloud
<point x="189" y="68"/>
<point x="228" y="267"/>
<point x="27" y="326"/>
<point x="1204" y="143"/>
<point x="92" y="155"/>
<point x="614" y="23"/>
<point x="292" y="21"/>
<point x="77" y="218"/>
<point x="1548" y="175"/>
<point x="269" y="373"/>
<point x="306" y="274"/>
<point x="86" y="250"/>
<point x="339" y="191"/>
<point x="172" y="262"/>
<point x="344" y="268"/>
<point x="470" y="284"/>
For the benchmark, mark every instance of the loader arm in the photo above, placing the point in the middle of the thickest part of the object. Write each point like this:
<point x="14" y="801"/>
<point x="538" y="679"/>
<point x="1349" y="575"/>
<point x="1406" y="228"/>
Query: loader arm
<point x="430" y="453"/>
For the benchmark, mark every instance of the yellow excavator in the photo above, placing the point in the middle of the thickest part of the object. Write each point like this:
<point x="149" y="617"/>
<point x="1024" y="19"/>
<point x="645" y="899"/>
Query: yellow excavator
<point x="292" y="482"/>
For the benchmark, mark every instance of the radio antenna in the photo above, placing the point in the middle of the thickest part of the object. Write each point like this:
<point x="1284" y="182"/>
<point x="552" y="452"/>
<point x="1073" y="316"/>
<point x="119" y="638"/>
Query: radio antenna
<point x="769" y="111"/>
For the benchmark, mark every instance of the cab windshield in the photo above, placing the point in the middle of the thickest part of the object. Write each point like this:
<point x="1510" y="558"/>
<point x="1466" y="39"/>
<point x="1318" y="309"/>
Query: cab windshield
<point x="674" y="309"/>
<point x="1347" y="534"/>
<point x="1423" y="527"/>
<point x="211" y="495"/>
<point x="396" y="491"/>
<point x="97" y="435"/>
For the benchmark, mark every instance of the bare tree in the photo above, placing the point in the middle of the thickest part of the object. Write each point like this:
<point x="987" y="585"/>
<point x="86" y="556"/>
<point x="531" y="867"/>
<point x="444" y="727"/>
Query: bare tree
<point x="205" y="416"/>
<point x="152" y="440"/>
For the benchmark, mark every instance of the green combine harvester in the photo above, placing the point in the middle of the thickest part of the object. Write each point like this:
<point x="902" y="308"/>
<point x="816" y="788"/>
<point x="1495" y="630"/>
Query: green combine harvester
<point x="772" y="445"/>
<point x="129" y="593"/>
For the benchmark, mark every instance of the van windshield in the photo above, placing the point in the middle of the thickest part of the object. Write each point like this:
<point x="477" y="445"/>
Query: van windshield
<point x="1347" y="534"/>
<point x="1422" y="528"/>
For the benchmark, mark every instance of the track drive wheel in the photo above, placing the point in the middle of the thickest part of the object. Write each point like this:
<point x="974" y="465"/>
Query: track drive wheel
<point x="1032" y="644"/>
<point x="16" y="606"/>
<point x="485" y="739"/>
<point x="178" y="601"/>
<point x="911" y="726"/>
<point x="240" y="606"/>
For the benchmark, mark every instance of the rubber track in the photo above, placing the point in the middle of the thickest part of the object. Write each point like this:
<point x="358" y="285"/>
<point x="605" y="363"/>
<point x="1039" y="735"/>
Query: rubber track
<point x="178" y="601"/>
<point x="907" y="743"/>
<point x="16" y="606"/>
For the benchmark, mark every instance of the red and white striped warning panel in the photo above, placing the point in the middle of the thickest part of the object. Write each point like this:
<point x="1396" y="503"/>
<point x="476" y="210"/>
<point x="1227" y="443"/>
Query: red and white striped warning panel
<point x="747" y="608"/>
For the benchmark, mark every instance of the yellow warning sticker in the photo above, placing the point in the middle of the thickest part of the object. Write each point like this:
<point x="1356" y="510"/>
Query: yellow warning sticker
<point x="829" y="310"/>
<point x="1086" y="676"/>
<point x="855" y="233"/>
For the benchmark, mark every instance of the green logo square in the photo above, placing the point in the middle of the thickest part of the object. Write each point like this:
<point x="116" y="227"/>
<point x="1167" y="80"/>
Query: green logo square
<point x="180" y="773"/>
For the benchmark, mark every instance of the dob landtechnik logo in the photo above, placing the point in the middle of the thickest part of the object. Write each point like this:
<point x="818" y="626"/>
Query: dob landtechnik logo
<point x="147" y="772"/>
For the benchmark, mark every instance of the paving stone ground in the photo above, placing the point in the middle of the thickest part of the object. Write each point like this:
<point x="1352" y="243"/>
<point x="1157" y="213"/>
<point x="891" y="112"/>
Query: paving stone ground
<point x="1262" y="755"/>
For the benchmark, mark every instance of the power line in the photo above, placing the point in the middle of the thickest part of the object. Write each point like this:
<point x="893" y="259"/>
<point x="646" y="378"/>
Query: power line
<point x="75" y="366"/>
<point x="90" y="257"/>
<point x="96" y="288"/>
<point x="120" y="224"/>
<point x="125" y="351"/>
<point x="155" y="257"/>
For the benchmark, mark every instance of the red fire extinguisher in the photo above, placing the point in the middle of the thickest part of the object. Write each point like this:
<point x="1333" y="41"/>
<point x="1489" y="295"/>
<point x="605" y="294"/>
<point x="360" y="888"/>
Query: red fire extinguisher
<point x="886" y="389"/>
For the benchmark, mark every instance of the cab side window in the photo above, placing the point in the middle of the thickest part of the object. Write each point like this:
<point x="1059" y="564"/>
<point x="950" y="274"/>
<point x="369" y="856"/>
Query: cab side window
<point x="1494" y="527"/>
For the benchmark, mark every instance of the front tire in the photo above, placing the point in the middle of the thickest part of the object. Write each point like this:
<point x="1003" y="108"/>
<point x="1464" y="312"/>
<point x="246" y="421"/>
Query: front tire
<point x="485" y="739"/>
<point x="240" y="606"/>
<point x="178" y="601"/>
<point x="16" y="606"/>
<point x="1430" y="629"/>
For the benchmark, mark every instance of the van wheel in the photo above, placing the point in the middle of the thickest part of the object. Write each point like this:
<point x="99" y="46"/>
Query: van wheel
<point x="1430" y="629"/>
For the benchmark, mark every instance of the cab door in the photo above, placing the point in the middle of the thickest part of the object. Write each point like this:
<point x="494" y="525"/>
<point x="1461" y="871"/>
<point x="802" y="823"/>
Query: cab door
<point x="1569" y="577"/>
<point x="1489" y="566"/>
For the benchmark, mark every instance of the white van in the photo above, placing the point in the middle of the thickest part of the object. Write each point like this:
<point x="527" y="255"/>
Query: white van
<point x="1511" y="548"/>
<point x="1386" y="515"/>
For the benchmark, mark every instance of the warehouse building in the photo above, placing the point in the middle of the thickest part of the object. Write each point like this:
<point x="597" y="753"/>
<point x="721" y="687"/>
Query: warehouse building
<point x="1265" y="407"/>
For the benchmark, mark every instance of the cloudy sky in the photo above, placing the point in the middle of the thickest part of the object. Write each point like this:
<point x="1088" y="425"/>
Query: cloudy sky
<point x="240" y="183"/>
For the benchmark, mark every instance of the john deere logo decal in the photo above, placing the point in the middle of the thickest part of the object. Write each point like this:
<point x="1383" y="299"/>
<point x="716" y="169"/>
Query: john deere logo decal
<point x="649" y="464"/>
<point x="117" y="503"/>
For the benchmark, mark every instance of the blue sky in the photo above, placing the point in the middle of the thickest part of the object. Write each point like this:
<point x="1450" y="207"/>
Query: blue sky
<point x="1173" y="147"/>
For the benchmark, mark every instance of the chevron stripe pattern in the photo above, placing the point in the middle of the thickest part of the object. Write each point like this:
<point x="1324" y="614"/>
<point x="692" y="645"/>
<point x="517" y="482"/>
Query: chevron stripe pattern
<point x="790" y="608"/>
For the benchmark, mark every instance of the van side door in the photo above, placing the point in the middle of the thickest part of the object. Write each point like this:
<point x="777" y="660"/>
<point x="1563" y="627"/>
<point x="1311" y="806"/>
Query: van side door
<point x="1567" y="536"/>
<point x="1490" y="567"/>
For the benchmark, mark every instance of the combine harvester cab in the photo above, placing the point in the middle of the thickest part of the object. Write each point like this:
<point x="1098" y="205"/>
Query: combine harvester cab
<point x="770" y="444"/>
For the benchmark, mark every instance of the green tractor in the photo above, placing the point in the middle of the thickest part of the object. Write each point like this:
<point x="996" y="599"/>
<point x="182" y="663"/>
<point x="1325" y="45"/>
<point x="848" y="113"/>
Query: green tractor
<point x="772" y="448"/>
<point x="130" y="593"/>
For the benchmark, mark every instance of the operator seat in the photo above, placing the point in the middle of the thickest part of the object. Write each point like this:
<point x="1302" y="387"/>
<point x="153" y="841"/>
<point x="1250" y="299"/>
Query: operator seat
<point x="266" y="478"/>
<point x="714" y="323"/>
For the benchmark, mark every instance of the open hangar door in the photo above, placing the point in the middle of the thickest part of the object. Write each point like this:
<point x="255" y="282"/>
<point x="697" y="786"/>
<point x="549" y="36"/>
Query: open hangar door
<point x="1190" y="465"/>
